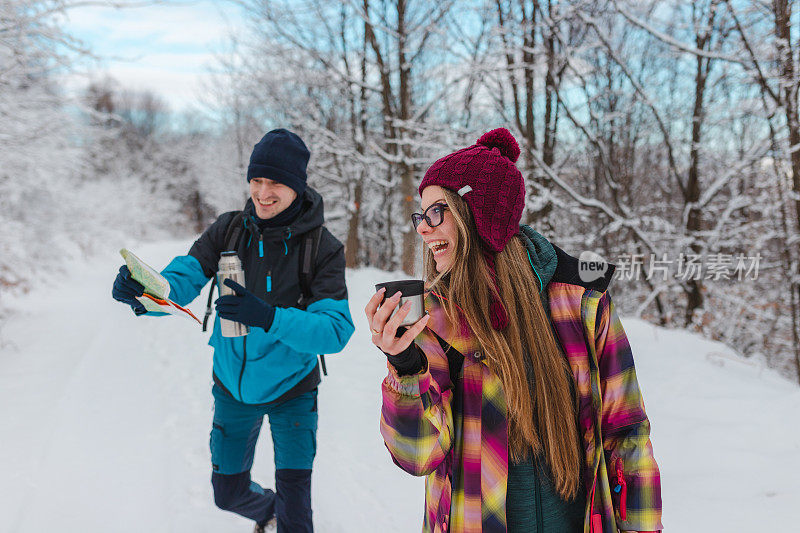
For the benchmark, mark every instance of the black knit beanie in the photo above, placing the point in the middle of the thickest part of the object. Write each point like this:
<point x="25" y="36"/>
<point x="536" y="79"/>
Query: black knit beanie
<point x="281" y="156"/>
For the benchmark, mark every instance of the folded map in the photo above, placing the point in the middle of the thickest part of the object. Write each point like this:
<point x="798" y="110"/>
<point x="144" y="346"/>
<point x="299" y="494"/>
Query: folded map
<point x="156" y="288"/>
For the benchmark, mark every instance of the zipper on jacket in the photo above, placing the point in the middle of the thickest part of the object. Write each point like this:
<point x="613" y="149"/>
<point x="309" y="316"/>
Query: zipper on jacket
<point x="621" y="489"/>
<point x="260" y="246"/>
<point x="285" y="239"/>
<point x="269" y="281"/>
<point x="244" y="362"/>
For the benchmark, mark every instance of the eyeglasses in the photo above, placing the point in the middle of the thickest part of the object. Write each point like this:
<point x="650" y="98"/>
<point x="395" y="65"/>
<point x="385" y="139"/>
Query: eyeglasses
<point x="433" y="215"/>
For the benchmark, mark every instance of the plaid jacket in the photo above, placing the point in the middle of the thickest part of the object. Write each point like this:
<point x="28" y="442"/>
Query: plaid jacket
<point x="457" y="436"/>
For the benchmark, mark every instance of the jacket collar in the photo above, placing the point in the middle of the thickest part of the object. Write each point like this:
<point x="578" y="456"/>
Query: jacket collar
<point x="458" y="336"/>
<point x="552" y="264"/>
<point x="311" y="215"/>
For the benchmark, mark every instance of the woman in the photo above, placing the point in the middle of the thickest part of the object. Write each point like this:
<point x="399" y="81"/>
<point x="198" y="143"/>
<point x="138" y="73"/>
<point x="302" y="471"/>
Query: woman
<point x="516" y="394"/>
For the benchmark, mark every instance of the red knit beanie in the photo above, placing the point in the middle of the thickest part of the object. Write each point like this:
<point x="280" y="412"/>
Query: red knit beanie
<point x="485" y="176"/>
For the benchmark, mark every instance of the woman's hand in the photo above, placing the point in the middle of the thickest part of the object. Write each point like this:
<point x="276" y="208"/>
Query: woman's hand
<point x="384" y="329"/>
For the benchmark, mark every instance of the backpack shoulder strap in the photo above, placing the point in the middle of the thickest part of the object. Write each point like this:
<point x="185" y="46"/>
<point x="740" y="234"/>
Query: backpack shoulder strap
<point x="234" y="232"/>
<point x="308" y="257"/>
<point x="232" y="236"/>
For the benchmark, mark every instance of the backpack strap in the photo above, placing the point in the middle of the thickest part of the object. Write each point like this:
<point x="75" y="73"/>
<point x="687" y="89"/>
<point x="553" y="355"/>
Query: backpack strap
<point x="234" y="232"/>
<point x="232" y="236"/>
<point x="308" y="257"/>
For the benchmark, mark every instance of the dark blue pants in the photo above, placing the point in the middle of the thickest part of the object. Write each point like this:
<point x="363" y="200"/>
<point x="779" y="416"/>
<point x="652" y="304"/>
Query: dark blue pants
<point x="234" y="434"/>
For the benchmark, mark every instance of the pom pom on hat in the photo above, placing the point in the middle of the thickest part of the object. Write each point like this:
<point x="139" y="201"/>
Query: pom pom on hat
<point x="501" y="139"/>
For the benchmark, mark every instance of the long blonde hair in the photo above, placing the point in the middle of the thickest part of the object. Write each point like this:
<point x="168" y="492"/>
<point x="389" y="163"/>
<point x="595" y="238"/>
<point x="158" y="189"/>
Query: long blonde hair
<point x="525" y="355"/>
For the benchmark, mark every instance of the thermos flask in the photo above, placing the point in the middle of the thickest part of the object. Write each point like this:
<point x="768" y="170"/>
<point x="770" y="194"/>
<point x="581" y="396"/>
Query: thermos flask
<point x="230" y="268"/>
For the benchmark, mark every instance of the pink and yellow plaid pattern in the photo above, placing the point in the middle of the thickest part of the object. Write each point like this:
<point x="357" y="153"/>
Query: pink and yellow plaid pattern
<point x="458" y="438"/>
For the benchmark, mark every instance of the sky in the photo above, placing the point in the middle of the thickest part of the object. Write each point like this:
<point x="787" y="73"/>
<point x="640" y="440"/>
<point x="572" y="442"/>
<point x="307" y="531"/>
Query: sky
<point x="167" y="48"/>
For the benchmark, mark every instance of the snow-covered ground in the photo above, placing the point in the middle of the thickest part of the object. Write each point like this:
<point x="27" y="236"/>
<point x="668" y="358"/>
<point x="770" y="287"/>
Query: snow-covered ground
<point x="105" y="419"/>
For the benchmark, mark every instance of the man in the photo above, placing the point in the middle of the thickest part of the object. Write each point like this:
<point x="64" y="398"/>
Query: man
<point x="273" y="370"/>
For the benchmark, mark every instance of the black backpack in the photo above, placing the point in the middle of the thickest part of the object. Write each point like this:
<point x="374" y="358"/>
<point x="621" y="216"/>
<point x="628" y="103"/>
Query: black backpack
<point x="308" y="255"/>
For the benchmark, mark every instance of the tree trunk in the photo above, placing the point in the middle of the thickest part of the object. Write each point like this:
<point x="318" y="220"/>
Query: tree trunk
<point x="406" y="169"/>
<point x="783" y="31"/>
<point x="694" y="291"/>
<point x="550" y="103"/>
<point x="353" y="245"/>
<point x="358" y="124"/>
<point x="783" y="14"/>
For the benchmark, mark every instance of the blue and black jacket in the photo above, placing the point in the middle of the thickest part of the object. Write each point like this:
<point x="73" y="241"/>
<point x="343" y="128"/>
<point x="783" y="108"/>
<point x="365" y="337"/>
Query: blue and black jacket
<point x="281" y="362"/>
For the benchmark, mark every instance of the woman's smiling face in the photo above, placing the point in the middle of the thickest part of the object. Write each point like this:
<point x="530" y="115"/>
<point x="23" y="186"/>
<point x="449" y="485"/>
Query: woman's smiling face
<point x="442" y="238"/>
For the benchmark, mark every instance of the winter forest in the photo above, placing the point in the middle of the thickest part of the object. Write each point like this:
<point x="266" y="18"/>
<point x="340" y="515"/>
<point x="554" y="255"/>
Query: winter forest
<point x="662" y="135"/>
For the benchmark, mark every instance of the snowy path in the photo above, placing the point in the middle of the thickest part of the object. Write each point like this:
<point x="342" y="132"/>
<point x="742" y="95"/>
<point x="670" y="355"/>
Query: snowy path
<point x="105" y="422"/>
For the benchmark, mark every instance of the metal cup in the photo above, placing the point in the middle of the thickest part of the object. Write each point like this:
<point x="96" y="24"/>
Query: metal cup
<point x="411" y="290"/>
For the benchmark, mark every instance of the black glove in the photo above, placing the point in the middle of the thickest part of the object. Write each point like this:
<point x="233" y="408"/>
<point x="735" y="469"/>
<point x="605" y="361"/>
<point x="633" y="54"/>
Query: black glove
<point x="126" y="289"/>
<point x="408" y="362"/>
<point x="245" y="307"/>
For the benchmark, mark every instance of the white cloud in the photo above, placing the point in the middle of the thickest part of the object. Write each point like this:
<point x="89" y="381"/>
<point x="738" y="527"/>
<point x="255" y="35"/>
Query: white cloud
<point x="165" y="48"/>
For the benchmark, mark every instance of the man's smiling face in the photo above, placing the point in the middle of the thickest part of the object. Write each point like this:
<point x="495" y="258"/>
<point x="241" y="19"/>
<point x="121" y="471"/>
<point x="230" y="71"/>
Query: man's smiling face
<point x="270" y="197"/>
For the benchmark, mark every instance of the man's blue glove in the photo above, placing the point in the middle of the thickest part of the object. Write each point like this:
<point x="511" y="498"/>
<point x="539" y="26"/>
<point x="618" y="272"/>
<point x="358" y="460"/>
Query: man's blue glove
<point x="126" y="289"/>
<point x="245" y="307"/>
